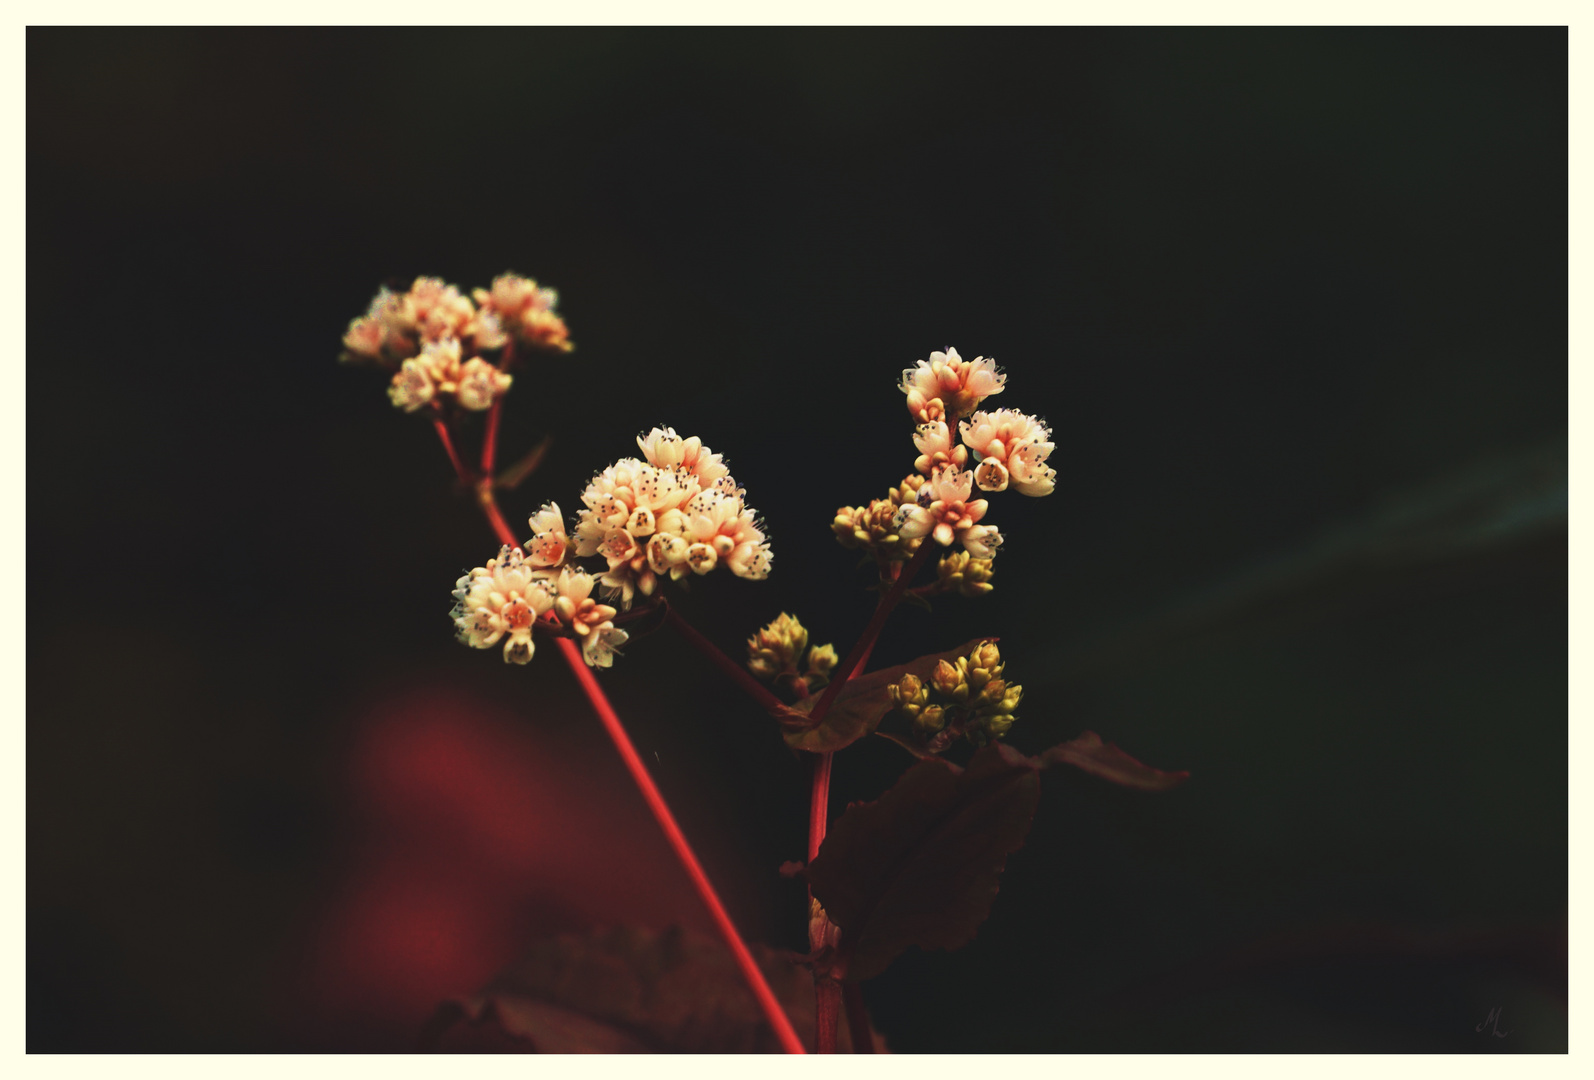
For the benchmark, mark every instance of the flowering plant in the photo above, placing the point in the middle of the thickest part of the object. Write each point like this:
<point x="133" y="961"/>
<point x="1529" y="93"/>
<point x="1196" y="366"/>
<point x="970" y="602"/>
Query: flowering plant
<point x="919" y="866"/>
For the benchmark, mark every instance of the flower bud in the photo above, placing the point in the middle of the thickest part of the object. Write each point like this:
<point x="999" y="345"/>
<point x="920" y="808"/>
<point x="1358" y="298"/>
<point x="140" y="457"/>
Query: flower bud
<point x="910" y="695"/>
<point x="992" y="693"/>
<point x="986" y="662"/>
<point x="822" y="660"/>
<point x="932" y="719"/>
<point x="961" y="572"/>
<point x="775" y="648"/>
<point x="946" y="678"/>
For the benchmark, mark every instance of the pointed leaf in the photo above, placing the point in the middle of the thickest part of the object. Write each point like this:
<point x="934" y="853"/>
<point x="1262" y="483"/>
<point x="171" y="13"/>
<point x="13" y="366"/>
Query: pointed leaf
<point x="921" y="865"/>
<point x="1105" y="760"/>
<point x="629" y="990"/>
<point x="863" y="702"/>
<point x="910" y="745"/>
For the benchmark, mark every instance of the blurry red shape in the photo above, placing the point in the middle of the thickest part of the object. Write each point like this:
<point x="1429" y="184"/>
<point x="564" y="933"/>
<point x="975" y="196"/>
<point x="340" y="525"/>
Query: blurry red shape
<point x="473" y="834"/>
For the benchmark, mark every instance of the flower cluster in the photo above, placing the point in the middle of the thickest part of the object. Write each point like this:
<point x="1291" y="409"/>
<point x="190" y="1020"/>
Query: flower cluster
<point x="432" y="336"/>
<point x="504" y="599"/>
<point x="948" y="387"/>
<point x="873" y="527"/>
<point x="1005" y="447"/>
<point x="971" y="699"/>
<point x="675" y="511"/>
<point x="776" y="653"/>
<point x="962" y="573"/>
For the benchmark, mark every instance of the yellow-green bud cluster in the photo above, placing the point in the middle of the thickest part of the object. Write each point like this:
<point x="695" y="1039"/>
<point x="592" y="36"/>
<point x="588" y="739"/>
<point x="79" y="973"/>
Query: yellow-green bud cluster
<point x="776" y="647"/>
<point x="776" y="650"/>
<point x="873" y="527"/>
<point x="961" y="572"/>
<point x="979" y="702"/>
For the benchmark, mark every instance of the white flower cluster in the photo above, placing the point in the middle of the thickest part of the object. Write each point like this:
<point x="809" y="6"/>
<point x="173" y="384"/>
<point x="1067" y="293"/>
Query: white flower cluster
<point x="431" y="335"/>
<point x="1009" y="448"/>
<point x="501" y="601"/>
<point x="677" y="511"/>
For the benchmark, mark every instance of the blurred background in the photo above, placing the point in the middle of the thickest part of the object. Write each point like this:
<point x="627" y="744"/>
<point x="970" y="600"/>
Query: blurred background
<point x="1293" y="301"/>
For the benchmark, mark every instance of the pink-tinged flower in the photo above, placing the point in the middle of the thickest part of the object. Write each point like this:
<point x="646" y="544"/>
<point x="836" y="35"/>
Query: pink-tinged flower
<point x="1012" y="448"/>
<point x="548" y="543"/>
<point x="440" y="310"/>
<point x="665" y="449"/>
<point x="720" y="528"/>
<point x="501" y="601"/>
<point x="945" y="513"/>
<point x="441" y="359"/>
<point x="518" y="306"/>
<point x="386" y="333"/>
<point x="947" y="387"/>
<point x="479" y="383"/>
<point x="412" y="386"/>
<point x="936" y="449"/>
<point x="364" y="339"/>
<point x="575" y="606"/>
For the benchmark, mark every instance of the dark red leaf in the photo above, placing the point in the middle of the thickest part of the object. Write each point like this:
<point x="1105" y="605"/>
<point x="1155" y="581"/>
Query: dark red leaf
<point x="863" y="702"/>
<point x="921" y="865"/>
<point x="1105" y="760"/>
<point x="630" y="990"/>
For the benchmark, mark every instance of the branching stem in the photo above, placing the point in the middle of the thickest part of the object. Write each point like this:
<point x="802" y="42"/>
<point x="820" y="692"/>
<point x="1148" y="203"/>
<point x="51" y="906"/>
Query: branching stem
<point x="650" y="793"/>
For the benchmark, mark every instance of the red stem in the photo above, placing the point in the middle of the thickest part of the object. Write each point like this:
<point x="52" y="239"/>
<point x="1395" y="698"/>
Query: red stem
<point x="738" y="674"/>
<point x="819" y="804"/>
<point x="448" y="444"/>
<point x="683" y="851"/>
<point x="827" y="997"/>
<point x="484" y="495"/>
<point x="827" y="992"/>
<point x="490" y="439"/>
<point x="865" y="644"/>
<point x="857" y="1018"/>
<point x="651" y="794"/>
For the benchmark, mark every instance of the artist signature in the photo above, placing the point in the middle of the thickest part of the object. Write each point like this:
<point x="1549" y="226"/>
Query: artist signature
<point x="1493" y="1021"/>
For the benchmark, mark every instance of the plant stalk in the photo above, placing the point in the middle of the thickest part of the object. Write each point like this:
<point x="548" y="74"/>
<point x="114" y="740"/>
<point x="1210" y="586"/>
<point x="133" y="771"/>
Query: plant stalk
<point x="767" y="1001"/>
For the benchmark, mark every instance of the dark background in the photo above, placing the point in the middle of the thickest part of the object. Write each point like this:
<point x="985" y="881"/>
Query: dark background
<point x="1293" y="301"/>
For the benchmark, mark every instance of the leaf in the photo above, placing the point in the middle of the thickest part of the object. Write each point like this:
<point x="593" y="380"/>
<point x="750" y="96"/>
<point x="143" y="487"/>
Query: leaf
<point x="908" y="744"/>
<point x="1105" y="760"/>
<point x="511" y="477"/>
<point x="921" y="865"/>
<point x="629" y="990"/>
<point x="863" y="702"/>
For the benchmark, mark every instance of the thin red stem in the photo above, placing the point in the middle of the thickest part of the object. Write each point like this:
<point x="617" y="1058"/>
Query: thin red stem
<point x="857" y="1018"/>
<point x="683" y="851"/>
<point x="484" y="495"/>
<point x="654" y="798"/>
<point x="827" y="992"/>
<point x="448" y="444"/>
<point x="490" y="438"/>
<point x="738" y="674"/>
<point x="865" y="644"/>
